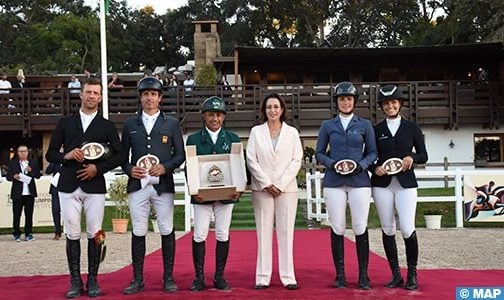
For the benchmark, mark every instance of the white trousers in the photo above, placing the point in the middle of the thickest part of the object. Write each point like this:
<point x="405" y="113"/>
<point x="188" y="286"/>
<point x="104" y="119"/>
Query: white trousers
<point x="71" y="209"/>
<point x="203" y="215"/>
<point x="358" y="200"/>
<point x="140" y="203"/>
<point x="280" y="211"/>
<point x="404" y="201"/>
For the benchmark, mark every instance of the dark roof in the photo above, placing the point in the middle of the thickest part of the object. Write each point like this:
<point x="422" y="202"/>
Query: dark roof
<point x="253" y="54"/>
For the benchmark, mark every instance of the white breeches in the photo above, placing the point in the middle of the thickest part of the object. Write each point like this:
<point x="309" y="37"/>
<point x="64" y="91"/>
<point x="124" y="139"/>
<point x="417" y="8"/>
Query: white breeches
<point x="280" y="211"/>
<point x="358" y="200"/>
<point x="140" y="203"/>
<point x="404" y="201"/>
<point x="203" y="215"/>
<point x="71" y="208"/>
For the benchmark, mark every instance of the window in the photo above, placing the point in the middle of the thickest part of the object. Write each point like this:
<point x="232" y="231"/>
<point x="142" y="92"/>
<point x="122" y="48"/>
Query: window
<point x="488" y="147"/>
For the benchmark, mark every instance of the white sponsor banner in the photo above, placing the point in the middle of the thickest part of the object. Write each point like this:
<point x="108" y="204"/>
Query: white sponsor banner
<point x="42" y="215"/>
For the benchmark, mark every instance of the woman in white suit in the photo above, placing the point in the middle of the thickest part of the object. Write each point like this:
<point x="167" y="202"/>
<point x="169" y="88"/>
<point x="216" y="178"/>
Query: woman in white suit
<point x="274" y="154"/>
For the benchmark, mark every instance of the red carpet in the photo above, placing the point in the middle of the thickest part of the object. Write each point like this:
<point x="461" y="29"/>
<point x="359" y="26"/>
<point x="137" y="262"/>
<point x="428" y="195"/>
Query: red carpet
<point x="314" y="272"/>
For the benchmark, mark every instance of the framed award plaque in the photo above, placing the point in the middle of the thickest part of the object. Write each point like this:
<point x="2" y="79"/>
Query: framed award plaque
<point x="216" y="176"/>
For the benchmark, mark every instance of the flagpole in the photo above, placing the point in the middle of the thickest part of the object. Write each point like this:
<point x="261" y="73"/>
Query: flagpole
<point x="103" y="47"/>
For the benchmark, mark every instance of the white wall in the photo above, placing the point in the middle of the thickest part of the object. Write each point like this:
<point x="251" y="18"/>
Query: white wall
<point x="438" y="139"/>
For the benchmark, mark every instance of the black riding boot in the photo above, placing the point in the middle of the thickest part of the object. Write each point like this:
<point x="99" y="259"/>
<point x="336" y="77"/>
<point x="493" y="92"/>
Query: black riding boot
<point x="137" y="255"/>
<point x="389" y="244"/>
<point x="168" y="249"/>
<point x="198" y="252"/>
<point x="362" y="242"/>
<point x="73" y="252"/>
<point x="94" y="254"/>
<point x="221" y="255"/>
<point x="411" y="244"/>
<point x="338" y="254"/>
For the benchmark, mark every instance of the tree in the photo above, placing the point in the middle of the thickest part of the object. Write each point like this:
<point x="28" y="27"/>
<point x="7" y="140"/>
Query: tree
<point x="67" y="44"/>
<point x="460" y="21"/>
<point x="63" y="36"/>
<point x="368" y="23"/>
<point x="145" y="41"/>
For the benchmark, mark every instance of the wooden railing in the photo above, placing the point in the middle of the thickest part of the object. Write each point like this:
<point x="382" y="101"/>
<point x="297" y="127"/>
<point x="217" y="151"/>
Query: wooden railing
<point x="447" y="103"/>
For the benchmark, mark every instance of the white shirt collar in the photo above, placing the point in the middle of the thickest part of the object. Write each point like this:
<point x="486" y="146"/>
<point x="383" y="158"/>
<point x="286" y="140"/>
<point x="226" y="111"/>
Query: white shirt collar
<point x="213" y="134"/>
<point x="345" y="120"/>
<point x="149" y="120"/>
<point x="393" y="125"/>
<point x="146" y="116"/>
<point x="86" y="119"/>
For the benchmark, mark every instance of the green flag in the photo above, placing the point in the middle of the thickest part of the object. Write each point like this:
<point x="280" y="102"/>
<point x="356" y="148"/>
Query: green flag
<point x="107" y="6"/>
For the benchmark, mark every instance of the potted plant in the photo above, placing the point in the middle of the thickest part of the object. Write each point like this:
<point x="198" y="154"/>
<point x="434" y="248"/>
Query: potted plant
<point x="118" y="194"/>
<point x="433" y="217"/>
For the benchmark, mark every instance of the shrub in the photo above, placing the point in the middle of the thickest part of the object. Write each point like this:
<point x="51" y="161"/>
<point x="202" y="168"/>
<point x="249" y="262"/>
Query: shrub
<point x="207" y="75"/>
<point x="433" y="211"/>
<point x="117" y="193"/>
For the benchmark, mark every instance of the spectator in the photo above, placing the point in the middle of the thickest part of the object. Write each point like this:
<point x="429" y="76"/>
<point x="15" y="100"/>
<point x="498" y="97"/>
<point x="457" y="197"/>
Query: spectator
<point x="189" y="84"/>
<point x="115" y="82"/>
<point x="54" y="169"/>
<point x="171" y="80"/>
<point x="3" y="170"/>
<point x="19" y="83"/>
<point x="171" y="83"/>
<point x="5" y="85"/>
<point x="74" y="85"/>
<point x="22" y="172"/>
<point x="224" y="83"/>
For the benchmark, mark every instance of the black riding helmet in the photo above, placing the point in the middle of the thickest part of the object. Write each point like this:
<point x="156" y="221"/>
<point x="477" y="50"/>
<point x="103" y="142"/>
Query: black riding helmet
<point x="346" y="88"/>
<point x="390" y="91"/>
<point x="150" y="83"/>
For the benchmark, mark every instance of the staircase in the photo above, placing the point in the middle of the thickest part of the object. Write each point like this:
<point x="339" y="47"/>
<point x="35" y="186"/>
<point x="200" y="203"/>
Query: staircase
<point x="243" y="214"/>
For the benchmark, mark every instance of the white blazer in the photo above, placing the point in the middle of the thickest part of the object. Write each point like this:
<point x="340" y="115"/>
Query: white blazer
<point x="274" y="166"/>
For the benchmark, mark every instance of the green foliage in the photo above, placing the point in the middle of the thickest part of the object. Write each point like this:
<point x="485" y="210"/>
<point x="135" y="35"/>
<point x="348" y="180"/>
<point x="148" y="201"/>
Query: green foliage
<point x="117" y="192"/>
<point x="301" y="178"/>
<point x="66" y="44"/>
<point x="308" y="152"/>
<point x="433" y="211"/>
<point x="207" y="75"/>
<point x="63" y="36"/>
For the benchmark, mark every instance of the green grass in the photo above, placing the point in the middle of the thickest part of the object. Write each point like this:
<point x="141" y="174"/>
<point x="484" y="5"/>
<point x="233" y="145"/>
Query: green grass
<point x="243" y="215"/>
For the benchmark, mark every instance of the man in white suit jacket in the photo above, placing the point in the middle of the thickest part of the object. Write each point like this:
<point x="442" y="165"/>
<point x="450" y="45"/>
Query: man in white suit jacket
<point x="274" y="155"/>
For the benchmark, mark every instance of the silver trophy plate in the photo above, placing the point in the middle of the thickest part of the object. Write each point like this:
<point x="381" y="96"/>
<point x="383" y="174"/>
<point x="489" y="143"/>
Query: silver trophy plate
<point x="392" y="166"/>
<point x="93" y="151"/>
<point x="147" y="161"/>
<point x="345" y="166"/>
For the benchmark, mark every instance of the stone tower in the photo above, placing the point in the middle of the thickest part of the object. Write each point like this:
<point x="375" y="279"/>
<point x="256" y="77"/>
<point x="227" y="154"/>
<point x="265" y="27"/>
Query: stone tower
<point x="206" y="43"/>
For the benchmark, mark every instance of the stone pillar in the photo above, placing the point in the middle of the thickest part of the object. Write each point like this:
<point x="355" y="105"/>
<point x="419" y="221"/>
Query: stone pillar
<point x="207" y="44"/>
